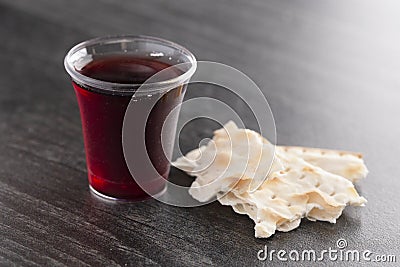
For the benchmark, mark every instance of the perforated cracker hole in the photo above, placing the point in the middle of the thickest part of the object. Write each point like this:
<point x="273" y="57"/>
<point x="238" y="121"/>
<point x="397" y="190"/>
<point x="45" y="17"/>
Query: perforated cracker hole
<point x="302" y="177"/>
<point x="287" y="170"/>
<point x="332" y="194"/>
<point x="317" y="184"/>
<point x="273" y="197"/>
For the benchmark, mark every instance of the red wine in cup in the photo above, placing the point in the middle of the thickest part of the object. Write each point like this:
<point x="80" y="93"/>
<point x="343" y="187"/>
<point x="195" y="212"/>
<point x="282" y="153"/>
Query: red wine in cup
<point x="102" y="116"/>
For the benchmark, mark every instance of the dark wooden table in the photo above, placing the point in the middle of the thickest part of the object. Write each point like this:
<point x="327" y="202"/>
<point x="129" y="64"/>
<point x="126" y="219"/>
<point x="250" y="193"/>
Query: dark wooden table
<point x="330" y="70"/>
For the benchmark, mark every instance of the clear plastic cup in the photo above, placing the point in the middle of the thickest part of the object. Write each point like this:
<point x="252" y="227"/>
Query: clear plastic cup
<point x="106" y="72"/>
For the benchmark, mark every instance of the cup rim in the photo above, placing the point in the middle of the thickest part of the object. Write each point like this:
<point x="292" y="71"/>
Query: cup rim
<point x="150" y="87"/>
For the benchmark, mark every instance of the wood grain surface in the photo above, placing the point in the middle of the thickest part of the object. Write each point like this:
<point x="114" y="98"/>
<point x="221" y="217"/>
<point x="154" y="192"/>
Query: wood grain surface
<point x="331" y="73"/>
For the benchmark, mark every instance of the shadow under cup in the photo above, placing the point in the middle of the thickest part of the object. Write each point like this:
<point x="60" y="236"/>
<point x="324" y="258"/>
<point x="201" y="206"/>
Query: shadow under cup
<point x="108" y="75"/>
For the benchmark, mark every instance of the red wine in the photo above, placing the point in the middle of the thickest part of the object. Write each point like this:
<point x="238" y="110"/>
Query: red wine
<point x="127" y="69"/>
<point x="102" y="116"/>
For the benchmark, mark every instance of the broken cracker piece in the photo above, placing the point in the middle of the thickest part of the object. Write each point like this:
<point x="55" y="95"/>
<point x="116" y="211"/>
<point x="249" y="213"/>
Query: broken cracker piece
<point x="303" y="182"/>
<point x="282" y="201"/>
<point x="233" y="154"/>
<point x="350" y="165"/>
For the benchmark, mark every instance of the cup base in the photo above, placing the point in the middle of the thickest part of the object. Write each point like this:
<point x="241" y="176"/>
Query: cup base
<point x="139" y="199"/>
